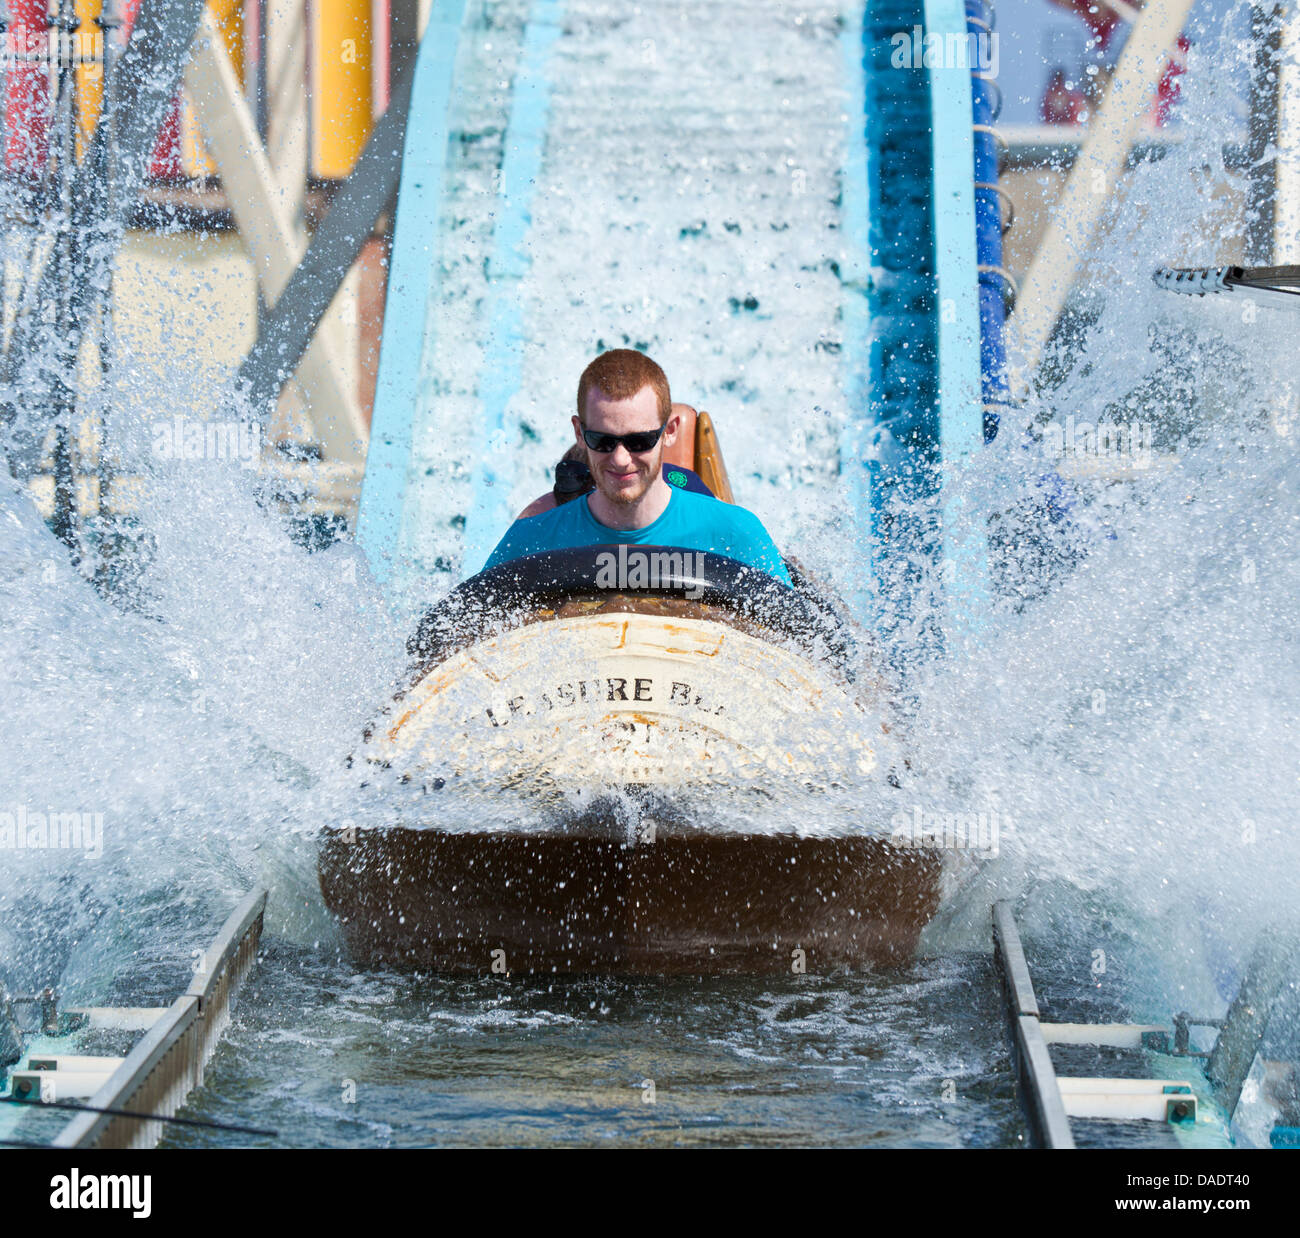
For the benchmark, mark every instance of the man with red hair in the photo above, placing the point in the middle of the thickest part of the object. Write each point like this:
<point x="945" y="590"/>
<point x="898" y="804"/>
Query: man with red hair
<point x="624" y="421"/>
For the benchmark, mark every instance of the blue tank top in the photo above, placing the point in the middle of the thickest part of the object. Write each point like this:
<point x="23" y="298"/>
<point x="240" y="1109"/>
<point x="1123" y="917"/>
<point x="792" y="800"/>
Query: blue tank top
<point x="691" y="521"/>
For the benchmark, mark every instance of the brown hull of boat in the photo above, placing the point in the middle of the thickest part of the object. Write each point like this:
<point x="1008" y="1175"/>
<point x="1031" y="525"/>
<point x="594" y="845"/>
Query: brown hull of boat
<point x="685" y="903"/>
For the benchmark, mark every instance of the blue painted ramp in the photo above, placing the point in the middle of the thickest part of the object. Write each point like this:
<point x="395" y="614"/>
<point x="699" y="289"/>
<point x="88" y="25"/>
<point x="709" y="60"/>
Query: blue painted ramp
<point x="910" y="316"/>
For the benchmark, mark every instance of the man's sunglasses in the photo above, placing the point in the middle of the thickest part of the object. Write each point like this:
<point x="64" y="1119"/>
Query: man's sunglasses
<point x="636" y="443"/>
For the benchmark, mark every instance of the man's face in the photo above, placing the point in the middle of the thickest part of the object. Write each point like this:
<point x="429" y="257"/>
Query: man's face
<point x="621" y="477"/>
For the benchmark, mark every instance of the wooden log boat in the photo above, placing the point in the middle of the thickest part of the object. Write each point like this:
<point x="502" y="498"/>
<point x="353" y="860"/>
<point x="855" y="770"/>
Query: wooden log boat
<point x="675" y="678"/>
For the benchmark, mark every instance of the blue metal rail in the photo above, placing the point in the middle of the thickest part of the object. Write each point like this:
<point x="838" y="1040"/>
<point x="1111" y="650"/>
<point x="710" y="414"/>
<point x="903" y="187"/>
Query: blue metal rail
<point x="926" y="399"/>
<point x="991" y="221"/>
<point x="411" y="290"/>
<point x="490" y="513"/>
<point x="900" y="416"/>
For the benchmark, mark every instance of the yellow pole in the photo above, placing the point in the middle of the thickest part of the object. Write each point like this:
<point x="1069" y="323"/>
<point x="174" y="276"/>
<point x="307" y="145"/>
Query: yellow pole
<point x="89" y="51"/>
<point x="342" y="107"/>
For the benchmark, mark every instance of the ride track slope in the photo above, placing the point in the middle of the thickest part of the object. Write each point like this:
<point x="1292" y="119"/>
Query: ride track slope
<point x="683" y="191"/>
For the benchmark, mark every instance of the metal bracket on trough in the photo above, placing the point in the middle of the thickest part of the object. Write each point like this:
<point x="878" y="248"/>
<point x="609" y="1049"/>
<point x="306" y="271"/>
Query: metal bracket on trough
<point x="167" y="1063"/>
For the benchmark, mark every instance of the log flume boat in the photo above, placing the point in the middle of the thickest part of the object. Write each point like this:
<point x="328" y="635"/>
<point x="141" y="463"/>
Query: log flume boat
<point x="594" y="678"/>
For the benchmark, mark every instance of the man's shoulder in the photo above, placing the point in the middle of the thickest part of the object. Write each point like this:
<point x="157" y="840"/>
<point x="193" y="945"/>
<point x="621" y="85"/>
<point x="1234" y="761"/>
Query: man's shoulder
<point x="559" y="514"/>
<point x="532" y="534"/>
<point x="697" y="500"/>
<point x="733" y="531"/>
<point x="709" y="507"/>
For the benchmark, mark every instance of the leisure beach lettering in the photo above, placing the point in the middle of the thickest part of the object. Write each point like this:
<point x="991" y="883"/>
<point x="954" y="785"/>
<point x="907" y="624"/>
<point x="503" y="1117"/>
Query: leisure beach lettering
<point x="616" y="689"/>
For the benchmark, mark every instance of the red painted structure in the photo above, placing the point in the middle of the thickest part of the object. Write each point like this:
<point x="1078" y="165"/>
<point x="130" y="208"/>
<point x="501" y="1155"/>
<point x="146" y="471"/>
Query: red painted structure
<point x="27" y="91"/>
